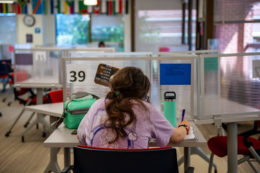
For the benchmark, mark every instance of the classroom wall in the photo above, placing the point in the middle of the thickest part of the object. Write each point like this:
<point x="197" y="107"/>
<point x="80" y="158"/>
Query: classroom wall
<point x="47" y="30"/>
<point x="22" y="30"/>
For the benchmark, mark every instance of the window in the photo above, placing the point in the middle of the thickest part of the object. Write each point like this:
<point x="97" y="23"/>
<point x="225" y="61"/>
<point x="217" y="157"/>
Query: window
<point x="109" y="29"/>
<point x="72" y="29"/>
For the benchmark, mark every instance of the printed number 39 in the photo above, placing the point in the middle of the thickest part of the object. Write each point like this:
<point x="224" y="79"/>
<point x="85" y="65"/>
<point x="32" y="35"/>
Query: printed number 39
<point x="74" y="77"/>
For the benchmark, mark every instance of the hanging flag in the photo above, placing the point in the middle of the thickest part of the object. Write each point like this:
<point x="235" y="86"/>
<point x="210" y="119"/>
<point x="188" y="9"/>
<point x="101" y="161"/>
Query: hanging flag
<point x="117" y="6"/>
<point x="97" y="7"/>
<point x="110" y="7"/>
<point x="17" y="8"/>
<point x="24" y="9"/>
<point x="83" y="9"/>
<point x="114" y="7"/>
<point x="51" y="6"/>
<point x="38" y="6"/>
<point x="120" y="7"/>
<point x="1" y="8"/>
<point x="58" y="4"/>
<point x="66" y="8"/>
<point x="76" y="6"/>
<point x="47" y="8"/>
<point x="103" y="6"/>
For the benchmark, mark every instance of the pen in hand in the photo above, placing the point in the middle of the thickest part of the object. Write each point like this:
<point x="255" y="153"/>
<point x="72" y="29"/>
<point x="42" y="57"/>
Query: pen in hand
<point x="183" y="114"/>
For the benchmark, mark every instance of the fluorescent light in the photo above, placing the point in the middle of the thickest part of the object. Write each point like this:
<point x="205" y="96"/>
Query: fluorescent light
<point x="7" y="2"/>
<point x="90" y="2"/>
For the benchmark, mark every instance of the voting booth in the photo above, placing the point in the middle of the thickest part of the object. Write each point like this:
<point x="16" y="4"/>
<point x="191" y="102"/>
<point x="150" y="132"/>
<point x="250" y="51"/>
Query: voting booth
<point x="228" y="85"/>
<point x="81" y="71"/>
<point x="166" y="72"/>
<point x="37" y="65"/>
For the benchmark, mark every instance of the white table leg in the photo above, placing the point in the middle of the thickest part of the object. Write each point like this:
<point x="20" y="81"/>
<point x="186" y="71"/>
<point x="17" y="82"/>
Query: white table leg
<point x="53" y="163"/>
<point x="232" y="147"/>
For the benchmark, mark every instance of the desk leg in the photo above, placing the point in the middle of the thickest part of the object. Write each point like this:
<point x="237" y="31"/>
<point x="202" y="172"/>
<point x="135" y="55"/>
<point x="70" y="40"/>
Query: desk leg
<point x="232" y="147"/>
<point x="53" y="163"/>
<point x="66" y="157"/>
<point x="187" y="153"/>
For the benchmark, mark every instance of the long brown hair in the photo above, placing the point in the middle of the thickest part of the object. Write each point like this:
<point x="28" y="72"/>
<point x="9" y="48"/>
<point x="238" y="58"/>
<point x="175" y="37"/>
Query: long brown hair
<point x="127" y="84"/>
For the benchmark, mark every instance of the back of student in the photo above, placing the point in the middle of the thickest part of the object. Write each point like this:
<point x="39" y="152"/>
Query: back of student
<point x="124" y="120"/>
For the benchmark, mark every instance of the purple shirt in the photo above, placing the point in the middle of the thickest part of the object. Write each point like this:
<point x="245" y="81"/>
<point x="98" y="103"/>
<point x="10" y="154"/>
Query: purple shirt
<point x="149" y="124"/>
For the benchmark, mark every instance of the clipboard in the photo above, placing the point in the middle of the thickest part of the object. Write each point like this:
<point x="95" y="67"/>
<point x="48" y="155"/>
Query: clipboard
<point x="103" y="74"/>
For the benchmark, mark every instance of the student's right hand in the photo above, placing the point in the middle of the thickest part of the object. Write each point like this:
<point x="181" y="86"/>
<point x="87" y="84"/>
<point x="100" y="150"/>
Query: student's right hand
<point x="180" y="132"/>
<point x="186" y="123"/>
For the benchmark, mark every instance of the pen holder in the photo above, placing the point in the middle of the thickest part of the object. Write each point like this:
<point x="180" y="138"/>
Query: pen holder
<point x="170" y="107"/>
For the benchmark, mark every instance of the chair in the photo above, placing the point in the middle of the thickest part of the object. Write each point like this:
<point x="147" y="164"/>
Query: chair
<point x="248" y="146"/>
<point x="30" y="100"/>
<point x="5" y="69"/>
<point x="99" y="160"/>
<point x="55" y="96"/>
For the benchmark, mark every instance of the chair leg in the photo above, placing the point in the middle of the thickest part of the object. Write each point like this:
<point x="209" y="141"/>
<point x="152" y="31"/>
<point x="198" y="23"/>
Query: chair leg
<point x="253" y="166"/>
<point x="19" y="116"/>
<point x="211" y="163"/>
<point x="27" y="129"/>
<point x="28" y="121"/>
<point x="198" y="151"/>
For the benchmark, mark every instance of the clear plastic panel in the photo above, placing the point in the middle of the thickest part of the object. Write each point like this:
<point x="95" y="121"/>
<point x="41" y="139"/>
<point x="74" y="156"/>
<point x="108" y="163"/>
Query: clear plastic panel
<point x="90" y="70"/>
<point x="37" y="66"/>
<point x="231" y="89"/>
<point x="183" y="92"/>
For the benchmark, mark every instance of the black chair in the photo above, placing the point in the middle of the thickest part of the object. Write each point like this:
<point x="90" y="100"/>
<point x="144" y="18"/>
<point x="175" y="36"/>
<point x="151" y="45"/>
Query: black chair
<point x="100" y="160"/>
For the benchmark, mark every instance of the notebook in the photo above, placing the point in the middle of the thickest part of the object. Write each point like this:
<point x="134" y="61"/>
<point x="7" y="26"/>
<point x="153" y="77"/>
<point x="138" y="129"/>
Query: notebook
<point x="190" y="135"/>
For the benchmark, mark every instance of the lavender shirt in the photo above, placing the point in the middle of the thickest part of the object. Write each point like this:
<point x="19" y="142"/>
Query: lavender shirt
<point x="149" y="124"/>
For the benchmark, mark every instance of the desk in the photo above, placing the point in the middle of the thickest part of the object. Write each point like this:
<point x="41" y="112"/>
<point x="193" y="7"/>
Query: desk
<point x="62" y="138"/>
<point x="219" y="110"/>
<point x="39" y="84"/>
<point x="54" y="109"/>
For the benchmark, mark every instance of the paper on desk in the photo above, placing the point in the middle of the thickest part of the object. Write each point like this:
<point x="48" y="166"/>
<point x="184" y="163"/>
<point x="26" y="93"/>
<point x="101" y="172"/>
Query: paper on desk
<point x="190" y="135"/>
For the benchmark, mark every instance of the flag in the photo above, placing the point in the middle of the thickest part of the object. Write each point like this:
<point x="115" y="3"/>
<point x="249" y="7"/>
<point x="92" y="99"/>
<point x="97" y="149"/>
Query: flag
<point x="52" y="6"/>
<point x="1" y="8"/>
<point x="120" y="7"/>
<point x="114" y="7"/>
<point x="76" y="6"/>
<point x="97" y="8"/>
<point x="16" y="8"/>
<point x="104" y="6"/>
<point x="83" y="9"/>
<point x="38" y="6"/>
<point x="110" y="7"/>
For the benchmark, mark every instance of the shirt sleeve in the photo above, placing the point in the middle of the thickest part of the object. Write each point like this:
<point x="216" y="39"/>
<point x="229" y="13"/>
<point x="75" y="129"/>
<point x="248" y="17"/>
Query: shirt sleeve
<point x="161" y="128"/>
<point x="84" y="128"/>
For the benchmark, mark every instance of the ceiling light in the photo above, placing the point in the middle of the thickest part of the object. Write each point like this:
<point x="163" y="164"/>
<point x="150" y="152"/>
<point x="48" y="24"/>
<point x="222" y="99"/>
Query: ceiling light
<point x="90" y="2"/>
<point x="7" y="1"/>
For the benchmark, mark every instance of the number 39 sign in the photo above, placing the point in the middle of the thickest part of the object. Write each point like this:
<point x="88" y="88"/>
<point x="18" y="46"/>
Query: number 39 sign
<point x="76" y="73"/>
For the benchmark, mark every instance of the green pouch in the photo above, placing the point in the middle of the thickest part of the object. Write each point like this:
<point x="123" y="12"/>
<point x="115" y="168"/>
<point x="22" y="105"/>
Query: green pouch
<point x="75" y="110"/>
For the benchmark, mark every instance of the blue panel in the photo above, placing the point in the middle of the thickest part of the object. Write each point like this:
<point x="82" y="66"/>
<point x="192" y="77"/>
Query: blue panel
<point x="175" y="74"/>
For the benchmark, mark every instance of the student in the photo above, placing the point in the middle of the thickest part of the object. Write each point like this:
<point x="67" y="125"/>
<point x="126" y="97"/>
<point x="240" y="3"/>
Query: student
<point x="124" y="119"/>
<point x="101" y="44"/>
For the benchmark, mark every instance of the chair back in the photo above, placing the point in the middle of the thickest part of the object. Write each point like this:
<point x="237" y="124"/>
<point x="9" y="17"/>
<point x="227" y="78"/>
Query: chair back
<point x="55" y="96"/>
<point x="100" y="160"/>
